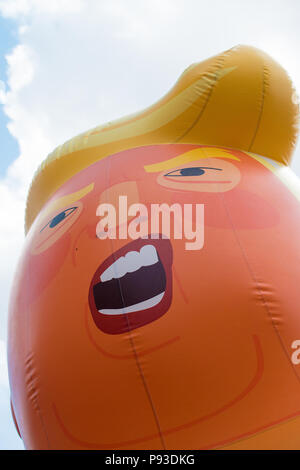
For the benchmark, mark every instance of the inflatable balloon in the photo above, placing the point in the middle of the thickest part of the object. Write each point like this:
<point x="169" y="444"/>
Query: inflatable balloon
<point x="124" y="334"/>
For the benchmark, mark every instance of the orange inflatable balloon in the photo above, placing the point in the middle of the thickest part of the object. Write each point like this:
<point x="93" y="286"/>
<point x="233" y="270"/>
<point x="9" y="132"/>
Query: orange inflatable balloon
<point x="124" y="334"/>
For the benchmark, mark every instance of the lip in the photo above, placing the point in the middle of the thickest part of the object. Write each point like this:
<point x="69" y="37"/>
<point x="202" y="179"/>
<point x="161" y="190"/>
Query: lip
<point x="125" y="301"/>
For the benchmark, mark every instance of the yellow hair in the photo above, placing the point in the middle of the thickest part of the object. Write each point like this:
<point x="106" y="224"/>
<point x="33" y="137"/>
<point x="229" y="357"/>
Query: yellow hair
<point x="241" y="99"/>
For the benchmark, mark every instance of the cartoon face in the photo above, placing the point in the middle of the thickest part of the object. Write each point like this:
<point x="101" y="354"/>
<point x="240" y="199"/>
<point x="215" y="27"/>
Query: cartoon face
<point x="132" y="317"/>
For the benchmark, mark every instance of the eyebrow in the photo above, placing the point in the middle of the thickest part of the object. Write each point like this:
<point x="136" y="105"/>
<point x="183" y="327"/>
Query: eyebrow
<point x="201" y="167"/>
<point x="68" y="199"/>
<point x="188" y="157"/>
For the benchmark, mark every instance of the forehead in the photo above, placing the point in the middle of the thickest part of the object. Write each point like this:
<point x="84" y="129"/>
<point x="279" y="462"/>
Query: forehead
<point x="160" y="157"/>
<point x="190" y="156"/>
<point x="134" y="162"/>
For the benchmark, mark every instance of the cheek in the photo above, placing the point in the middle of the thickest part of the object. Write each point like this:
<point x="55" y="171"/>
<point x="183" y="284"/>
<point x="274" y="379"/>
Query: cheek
<point x="233" y="174"/>
<point x="40" y="270"/>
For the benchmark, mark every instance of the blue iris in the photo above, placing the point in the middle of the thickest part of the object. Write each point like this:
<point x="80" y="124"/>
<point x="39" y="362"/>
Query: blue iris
<point x="58" y="218"/>
<point x="192" y="171"/>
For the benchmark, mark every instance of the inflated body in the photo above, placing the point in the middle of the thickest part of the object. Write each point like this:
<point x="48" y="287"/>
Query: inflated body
<point x="197" y="348"/>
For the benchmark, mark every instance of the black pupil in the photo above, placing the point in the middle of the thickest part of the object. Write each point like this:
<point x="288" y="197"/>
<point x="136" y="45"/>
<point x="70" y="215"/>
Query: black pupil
<point x="194" y="171"/>
<point x="58" y="218"/>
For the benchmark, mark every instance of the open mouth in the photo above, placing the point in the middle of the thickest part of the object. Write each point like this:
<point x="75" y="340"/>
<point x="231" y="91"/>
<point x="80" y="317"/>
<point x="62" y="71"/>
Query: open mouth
<point x="133" y="286"/>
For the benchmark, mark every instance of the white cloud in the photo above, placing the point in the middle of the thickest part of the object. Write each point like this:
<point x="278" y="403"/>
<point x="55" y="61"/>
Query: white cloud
<point x="2" y="91"/>
<point x="3" y="364"/>
<point x="80" y="63"/>
<point x="20" y="64"/>
<point x="21" y="8"/>
<point x="9" y="438"/>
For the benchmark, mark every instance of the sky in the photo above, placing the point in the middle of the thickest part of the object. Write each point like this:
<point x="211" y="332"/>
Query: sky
<point x="69" y="65"/>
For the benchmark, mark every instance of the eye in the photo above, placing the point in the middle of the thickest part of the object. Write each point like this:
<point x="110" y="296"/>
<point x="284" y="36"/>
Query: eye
<point x="191" y="171"/>
<point x="59" y="218"/>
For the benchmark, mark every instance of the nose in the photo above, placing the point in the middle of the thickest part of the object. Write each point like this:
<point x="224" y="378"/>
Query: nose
<point x="121" y="196"/>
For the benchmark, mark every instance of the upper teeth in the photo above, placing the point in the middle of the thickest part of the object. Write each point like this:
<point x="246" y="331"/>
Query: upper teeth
<point x="132" y="261"/>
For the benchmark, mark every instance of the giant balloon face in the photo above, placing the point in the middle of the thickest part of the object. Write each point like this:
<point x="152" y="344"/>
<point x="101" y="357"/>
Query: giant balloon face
<point x="121" y="341"/>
